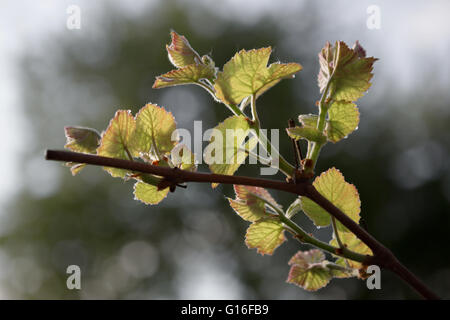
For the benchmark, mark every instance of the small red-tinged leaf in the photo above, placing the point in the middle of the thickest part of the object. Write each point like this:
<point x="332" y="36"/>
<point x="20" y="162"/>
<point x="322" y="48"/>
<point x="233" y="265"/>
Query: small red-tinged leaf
<point x="249" y="204"/>
<point x="248" y="193"/>
<point x="190" y="74"/>
<point x="180" y="51"/>
<point x="247" y="74"/>
<point x="265" y="235"/>
<point x="347" y="70"/>
<point x="81" y="139"/>
<point x="308" y="270"/>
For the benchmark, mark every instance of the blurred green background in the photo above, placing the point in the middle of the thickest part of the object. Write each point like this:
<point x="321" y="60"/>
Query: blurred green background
<point x="191" y="245"/>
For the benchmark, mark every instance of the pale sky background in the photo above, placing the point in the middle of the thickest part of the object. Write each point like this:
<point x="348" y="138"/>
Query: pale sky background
<point x="416" y="35"/>
<point x="411" y="27"/>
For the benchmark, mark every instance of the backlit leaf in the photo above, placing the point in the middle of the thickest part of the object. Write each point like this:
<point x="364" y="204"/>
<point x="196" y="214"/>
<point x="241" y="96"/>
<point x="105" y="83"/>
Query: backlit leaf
<point x="348" y="272"/>
<point x="80" y="139"/>
<point x="247" y="74"/>
<point x="265" y="235"/>
<point x="248" y="203"/>
<point x="294" y="208"/>
<point x="348" y="71"/>
<point x="186" y="75"/>
<point x="117" y="140"/>
<point x="308" y="270"/>
<point x="154" y="128"/>
<point x="183" y="158"/>
<point x="306" y="132"/>
<point x="308" y="120"/>
<point x="343" y="120"/>
<point x="226" y="151"/>
<point x="354" y="244"/>
<point x="180" y="51"/>
<point x="149" y="194"/>
<point x="332" y="185"/>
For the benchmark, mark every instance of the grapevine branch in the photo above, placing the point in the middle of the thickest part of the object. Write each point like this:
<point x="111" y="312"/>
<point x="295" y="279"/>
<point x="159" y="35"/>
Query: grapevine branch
<point x="382" y="256"/>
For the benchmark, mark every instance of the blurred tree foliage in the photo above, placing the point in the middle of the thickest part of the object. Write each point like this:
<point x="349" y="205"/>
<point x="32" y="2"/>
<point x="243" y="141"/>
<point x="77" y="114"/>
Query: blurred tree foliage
<point x="192" y="245"/>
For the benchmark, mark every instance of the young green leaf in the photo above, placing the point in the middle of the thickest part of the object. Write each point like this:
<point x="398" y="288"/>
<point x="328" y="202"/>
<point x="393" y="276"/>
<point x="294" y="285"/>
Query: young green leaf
<point x="294" y="208"/>
<point x="183" y="158"/>
<point x="226" y="152"/>
<point x="354" y="244"/>
<point x="343" y="120"/>
<point x="307" y="133"/>
<point x="308" y="270"/>
<point x="347" y="71"/>
<point x="265" y="235"/>
<point x="249" y="204"/>
<point x="247" y="74"/>
<point x="187" y="75"/>
<point x="149" y="194"/>
<point x="308" y="120"/>
<point x="117" y="140"/>
<point x="80" y="139"/>
<point x="154" y="129"/>
<point x="180" y="51"/>
<point x="332" y="185"/>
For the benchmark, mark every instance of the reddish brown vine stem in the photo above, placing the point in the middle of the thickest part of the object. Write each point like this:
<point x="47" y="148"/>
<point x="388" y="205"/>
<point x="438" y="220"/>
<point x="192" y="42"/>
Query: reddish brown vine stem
<point x="382" y="257"/>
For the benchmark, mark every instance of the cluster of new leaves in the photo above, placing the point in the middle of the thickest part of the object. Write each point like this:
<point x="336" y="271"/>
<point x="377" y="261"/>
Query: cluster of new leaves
<point x="344" y="77"/>
<point x="245" y="75"/>
<point x="147" y="137"/>
<point x="309" y="269"/>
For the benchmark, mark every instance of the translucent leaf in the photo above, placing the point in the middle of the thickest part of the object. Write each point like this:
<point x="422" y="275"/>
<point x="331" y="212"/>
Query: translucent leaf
<point x="247" y="74"/>
<point x="348" y="272"/>
<point x="308" y="120"/>
<point x="186" y="75"/>
<point x="354" y="244"/>
<point x="180" y="51"/>
<point x="183" y="158"/>
<point x="149" y="194"/>
<point x="332" y="185"/>
<point x="265" y="235"/>
<point x="75" y="168"/>
<point x="154" y="129"/>
<point x="306" y="132"/>
<point x="80" y="139"/>
<point x="294" y="208"/>
<point x="248" y="203"/>
<point x="348" y="70"/>
<point x="117" y="140"/>
<point x="226" y="152"/>
<point x="343" y="120"/>
<point x="308" y="270"/>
